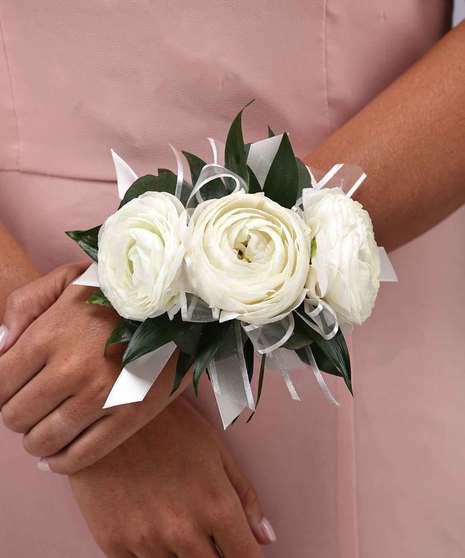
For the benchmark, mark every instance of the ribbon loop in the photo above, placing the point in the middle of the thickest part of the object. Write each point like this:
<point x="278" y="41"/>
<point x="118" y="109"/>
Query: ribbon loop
<point x="212" y="172"/>
<point x="269" y="337"/>
<point x="320" y="317"/>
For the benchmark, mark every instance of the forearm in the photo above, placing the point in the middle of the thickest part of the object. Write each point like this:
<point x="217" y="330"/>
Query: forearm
<point x="16" y="269"/>
<point x="410" y="140"/>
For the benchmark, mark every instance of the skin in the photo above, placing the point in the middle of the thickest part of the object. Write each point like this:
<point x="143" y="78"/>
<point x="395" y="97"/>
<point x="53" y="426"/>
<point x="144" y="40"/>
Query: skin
<point x="415" y="147"/>
<point x="409" y="140"/>
<point x="214" y="493"/>
<point x="168" y="518"/>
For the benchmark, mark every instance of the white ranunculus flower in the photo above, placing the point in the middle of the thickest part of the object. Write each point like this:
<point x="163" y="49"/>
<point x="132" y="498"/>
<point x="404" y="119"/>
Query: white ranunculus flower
<point x="248" y="256"/>
<point x="140" y="257"/>
<point x="345" y="264"/>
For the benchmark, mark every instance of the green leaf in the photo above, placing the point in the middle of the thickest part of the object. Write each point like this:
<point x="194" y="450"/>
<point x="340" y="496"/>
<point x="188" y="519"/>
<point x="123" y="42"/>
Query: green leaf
<point x="164" y="182"/>
<point x="271" y="134"/>
<point x="196" y="165"/>
<point x="214" y="336"/>
<point x="302" y="335"/>
<point x="281" y="184"/>
<point x="254" y="184"/>
<point x="331" y="356"/>
<point x="149" y="336"/>
<point x="235" y="156"/>
<point x="122" y="332"/>
<point x="87" y="240"/>
<point x="189" y="335"/>
<point x="99" y="299"/>
<point x="249" y="354"/>
<point x="261" y="379"/>
<point x="183" y="365"/>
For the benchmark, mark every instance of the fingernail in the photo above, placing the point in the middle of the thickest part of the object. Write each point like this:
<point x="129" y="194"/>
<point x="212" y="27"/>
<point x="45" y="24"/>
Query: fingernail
<point x="3" y="336"/>
<point x="267" y="530"/>
<point x="43" y="465"/>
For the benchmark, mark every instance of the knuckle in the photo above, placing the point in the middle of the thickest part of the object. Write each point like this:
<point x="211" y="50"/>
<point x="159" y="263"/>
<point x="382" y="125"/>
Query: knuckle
<point x="44" y="442"/>
<point x="249" y="497"/>
<point x="38" y="336"/>
<point x="73" y="461"/>
<point x="15" y="301"/>
<point x="34" y="445"/>
<point x="146" y="537"/>
<point x="223" y="510"/>
<point x="5" y="388"/>
<point x="12" y="419"/>
<point x="111" y="544"/>
<point x="180" y="532"/>
<point x="72" y="270"/>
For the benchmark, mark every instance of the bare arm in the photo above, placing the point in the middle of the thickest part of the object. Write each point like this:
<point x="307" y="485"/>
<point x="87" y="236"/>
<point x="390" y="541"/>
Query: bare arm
<point x="16" y="269"/>
<point x="410" y="140"/>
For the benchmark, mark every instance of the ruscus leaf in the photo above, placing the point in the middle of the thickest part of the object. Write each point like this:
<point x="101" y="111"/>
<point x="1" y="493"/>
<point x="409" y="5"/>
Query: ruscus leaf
<point x="235" y="156"/>
<point x="87" y="240"/>
<point x="281" y="184"/>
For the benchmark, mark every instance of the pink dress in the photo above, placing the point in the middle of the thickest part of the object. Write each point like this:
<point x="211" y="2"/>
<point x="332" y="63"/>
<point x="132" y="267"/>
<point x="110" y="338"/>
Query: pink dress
<point x="384" y="477"/>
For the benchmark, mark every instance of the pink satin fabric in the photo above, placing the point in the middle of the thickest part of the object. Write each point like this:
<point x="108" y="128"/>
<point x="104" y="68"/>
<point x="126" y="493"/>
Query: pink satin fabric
<point x="383" y="477"/>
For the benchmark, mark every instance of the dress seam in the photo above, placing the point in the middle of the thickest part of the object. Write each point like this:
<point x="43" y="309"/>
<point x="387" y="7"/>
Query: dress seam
<point x="325" y="65"/>
<point x="12" y="95"/>
<point x="57" y="175"/>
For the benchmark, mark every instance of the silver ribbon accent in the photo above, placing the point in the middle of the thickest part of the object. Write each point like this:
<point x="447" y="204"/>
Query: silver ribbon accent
<point x="228" y="371"/>
<point x="212" y="172"/>
<point x="231" y="386"/>
<point x="179" y="172"/>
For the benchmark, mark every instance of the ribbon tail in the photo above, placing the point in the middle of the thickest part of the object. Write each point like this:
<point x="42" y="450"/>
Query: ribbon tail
<point x="136" y="379"/>
<point x="290" y="385"/>
<point x="387" y="272"/>
<point x="89" y="278"/>
<point x="319" y="377"/>
<point x="230" y="382"/>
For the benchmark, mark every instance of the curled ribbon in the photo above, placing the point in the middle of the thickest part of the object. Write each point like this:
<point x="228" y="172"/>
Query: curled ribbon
<point x="228" y="370"/>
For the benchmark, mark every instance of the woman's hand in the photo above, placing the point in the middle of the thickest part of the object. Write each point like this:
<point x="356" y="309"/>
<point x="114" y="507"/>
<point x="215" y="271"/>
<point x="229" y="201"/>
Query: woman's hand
<point x="55" y="377"/>
<point x="171" y="490"/>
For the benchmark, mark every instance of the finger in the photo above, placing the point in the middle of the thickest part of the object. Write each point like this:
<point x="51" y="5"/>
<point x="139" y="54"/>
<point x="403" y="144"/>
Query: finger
<point x="93" y="444"/>
<point x="154" y="553"/>
<point x="61" y="427"/>
<point x="233" y="534"/>
<point x="114" y="551"/>
<point x="259" y="524"/>
<point x="27" y="303"/>
<point x="38" y="398"/>
<point x="119" y="553"/>
<point x="203" y="547"/>
<point x="21" y="363"/>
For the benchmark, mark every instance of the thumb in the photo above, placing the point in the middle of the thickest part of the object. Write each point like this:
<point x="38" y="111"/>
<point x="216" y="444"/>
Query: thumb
<point x="260" y="525"/>
<point x="27" y="303"/>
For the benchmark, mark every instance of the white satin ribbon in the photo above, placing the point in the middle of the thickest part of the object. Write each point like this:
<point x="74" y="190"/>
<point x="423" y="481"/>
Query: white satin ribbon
<point x="136" y="379"/>
<point x="228" y="371"/>
<point x="125" y="176"/>
<point x="261" y="156"/>
<point x="387" y="272"/>
<point x="89" y="278"/>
